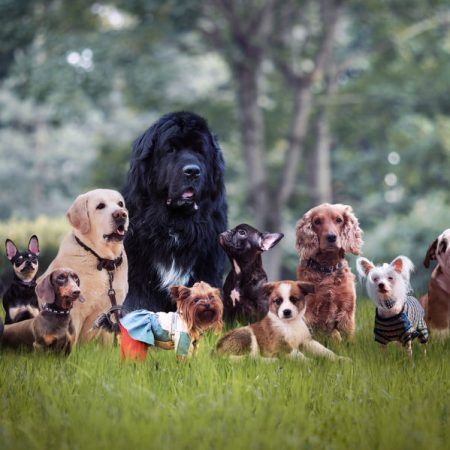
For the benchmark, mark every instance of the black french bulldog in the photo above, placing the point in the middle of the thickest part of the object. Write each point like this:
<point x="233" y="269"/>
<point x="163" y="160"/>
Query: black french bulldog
<point x="244" y="245"/>
<point x="20" y="301"/>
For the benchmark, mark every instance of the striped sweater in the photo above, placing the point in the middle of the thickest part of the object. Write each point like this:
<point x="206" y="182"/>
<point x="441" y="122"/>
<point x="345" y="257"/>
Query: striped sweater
<point x="403" y="327"/>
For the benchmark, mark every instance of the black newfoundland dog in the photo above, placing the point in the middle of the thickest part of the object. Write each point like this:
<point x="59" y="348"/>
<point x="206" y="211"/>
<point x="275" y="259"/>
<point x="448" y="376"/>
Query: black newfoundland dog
<point x="175" y="195"/>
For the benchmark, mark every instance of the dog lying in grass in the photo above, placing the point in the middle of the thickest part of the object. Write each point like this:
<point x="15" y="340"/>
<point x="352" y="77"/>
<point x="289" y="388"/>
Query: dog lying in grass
<point x="198" y="309"/>
<point x="282" y="331"/>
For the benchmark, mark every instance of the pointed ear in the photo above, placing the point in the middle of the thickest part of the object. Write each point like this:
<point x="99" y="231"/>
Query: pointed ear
<point x="364" y="266"/>
<point x="306" y="288"/>
<point x="11" y="249"/>
<point x="431" y="253"/>
<point x="78" y="214"/>
<point x="179" y="293"/>
<point x="351" y="232"/>
<point x="45" y="290"/>
<point x="397" y="264"/>
<point x="269" y="240"/>
<point x="403" y="266"/>
<point x="33" y="245"/>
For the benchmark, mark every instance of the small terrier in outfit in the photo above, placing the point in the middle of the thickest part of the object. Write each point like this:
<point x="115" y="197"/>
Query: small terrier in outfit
<point x="52" y="329"/>
<point x="20" y="301"/>
<point x="199" y="309"/>
<point x="244" y="246"/>
<point x="283" y="330"/>
<point x="399" y="316"/>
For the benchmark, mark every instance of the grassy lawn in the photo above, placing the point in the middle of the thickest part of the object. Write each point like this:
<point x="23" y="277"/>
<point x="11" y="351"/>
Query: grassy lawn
<point x="91" y="401"/>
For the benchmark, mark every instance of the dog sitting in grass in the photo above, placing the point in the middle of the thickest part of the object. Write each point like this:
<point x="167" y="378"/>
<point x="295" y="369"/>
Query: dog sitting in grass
<point x="399" y="316"/>
<point x="198" y="309"/>
<point x="283" y="330"/>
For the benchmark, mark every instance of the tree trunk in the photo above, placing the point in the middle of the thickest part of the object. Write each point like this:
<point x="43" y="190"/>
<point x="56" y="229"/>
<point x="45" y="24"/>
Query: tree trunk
<point x="251" y="124"/>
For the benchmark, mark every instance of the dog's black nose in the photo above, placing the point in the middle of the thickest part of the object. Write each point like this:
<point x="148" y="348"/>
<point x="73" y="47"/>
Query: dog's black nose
<point x="75" y="293"/>
<point x="331" y="238"/>
<point x="287" y="313"/>
<point x="381" y="285"/>
<point x="191" y="171"/>
<point x="207" y="305"/>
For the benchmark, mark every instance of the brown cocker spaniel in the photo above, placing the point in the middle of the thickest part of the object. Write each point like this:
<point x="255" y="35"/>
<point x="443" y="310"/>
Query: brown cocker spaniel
<point x="323" y="236"/>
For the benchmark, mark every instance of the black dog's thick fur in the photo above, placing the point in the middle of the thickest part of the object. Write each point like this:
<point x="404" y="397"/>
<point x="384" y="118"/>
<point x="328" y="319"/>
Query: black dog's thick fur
<point x="175" y="195"/>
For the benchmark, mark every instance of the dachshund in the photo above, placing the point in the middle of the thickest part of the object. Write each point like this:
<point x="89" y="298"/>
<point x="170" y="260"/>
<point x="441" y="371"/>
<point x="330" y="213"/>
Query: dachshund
<point x="323" y="235"/>
<point x="52" y="329"/>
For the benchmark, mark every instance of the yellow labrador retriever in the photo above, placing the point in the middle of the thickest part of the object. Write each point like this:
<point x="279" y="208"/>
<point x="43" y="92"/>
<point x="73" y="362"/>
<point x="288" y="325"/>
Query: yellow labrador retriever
<point x="94" y="250"/>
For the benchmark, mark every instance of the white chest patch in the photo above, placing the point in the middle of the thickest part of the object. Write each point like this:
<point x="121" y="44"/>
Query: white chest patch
<point x="15" y="311"/>
<point x="294" y="331"/>
<point x="237" y="269"/>
<point x="235" y="296"/>
<point x="172" y="276"/>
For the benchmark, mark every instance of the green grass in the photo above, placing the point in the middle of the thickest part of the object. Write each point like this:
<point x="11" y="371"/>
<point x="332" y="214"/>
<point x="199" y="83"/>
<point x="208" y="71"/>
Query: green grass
<point x="91" y="401"/>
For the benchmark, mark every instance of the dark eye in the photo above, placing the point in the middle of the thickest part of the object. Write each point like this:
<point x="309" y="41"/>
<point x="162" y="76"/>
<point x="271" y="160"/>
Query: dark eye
<point x="196" y="300"/>
<point x="339" y="220"/>
<point x="390" y="278"/>
<point x="101" y="206"/>
<point x="120" y="204"/>
<point x="242" y="232"/>
<point x="62" y="277"/>
<point x="375" y="279"/>
<point x="278" y="301"/>
<point x="19" y="259"/>
<point x="317" y="222"/>
<point x="293" y="299"/>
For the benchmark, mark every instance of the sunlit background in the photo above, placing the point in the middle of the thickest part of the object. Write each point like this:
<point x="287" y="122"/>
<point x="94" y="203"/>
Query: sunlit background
<point x="312" y="101"/>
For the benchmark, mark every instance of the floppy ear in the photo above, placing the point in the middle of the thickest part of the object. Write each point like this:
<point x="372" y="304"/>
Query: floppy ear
<point x="431" y="253"/>
<point x="269" y="240"/>
<point x="78" y="214"/>
<point x="11" y="249"/>
<point x="307" y="241"/>
<point x="364" y="266"/>
<point x="351" y="233"/>
<point x="266" y="289"/>
<point x="306" y="288"/>
<point x="45" y="290"/>
<point x="33" y="245"/>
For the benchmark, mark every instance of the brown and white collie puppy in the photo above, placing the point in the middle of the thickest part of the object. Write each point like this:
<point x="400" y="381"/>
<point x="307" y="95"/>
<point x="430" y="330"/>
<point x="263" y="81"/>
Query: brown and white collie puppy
<point x="282" y="331"/>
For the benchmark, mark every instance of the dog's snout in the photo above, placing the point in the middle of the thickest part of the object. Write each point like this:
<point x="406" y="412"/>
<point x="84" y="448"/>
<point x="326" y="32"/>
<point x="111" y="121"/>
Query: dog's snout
<point x="75" y="293"/>
<point x="207" y="305"/>
<point x="287" y="313"/>
<point x="191" y="171"/>
<point x="120" y="214"/>
<point x="331" y="238"/>
<point x="380" y="285"/>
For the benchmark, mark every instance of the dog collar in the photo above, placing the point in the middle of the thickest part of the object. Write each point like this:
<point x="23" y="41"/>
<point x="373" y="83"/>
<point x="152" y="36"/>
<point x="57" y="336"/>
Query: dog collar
<point x="315" y="265"/>
<point x="103" y="263"/>
<point x="61" y="312"/>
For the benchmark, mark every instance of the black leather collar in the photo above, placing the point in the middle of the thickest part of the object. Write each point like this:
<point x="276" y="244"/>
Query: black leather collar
<point x="60" y="312"/>
<point x="103" y="263"/>
<point x="315" y="265"/>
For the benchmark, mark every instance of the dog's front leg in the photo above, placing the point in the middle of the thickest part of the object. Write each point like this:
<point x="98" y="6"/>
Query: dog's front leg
<point x="297" y="354"/>
<point x="408" y="348"/>
<point x="316" y="348"/>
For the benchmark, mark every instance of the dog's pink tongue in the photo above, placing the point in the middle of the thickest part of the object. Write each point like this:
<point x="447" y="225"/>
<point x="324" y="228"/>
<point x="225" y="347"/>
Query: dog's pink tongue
<point x="188" y="194"/>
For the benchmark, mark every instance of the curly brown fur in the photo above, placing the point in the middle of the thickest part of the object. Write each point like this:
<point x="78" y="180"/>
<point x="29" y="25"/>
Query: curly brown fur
<point x="323" y="236"/>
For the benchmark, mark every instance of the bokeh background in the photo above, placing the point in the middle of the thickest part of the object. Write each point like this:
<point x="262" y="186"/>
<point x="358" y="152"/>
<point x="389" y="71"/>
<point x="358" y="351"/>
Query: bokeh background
<point x="313" y="101"/>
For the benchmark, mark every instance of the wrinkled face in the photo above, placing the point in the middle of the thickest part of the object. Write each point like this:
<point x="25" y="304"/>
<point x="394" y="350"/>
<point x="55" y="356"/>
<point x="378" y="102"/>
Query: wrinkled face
<point x="100" y="214"/>
<point x="66" y="285"/>
<point x="181" y="163"/>
<point x="201" y="305"/>
<point x="25" y="264"/>
<point x="327" y="223"/>
<point x="287" y="299"/>
<point x="244" y="241"/>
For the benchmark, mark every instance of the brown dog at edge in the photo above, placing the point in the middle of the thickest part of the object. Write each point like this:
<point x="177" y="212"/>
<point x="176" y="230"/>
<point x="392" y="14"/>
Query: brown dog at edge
<point x="437" y="301"/>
